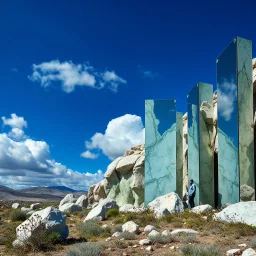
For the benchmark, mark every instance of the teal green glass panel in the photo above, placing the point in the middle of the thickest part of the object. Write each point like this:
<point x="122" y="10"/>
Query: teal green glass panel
<point x="245" y="115"/>
<point x="160" y="148"/>
<point x="179" y="154"/>
<point x="228" y="166"/>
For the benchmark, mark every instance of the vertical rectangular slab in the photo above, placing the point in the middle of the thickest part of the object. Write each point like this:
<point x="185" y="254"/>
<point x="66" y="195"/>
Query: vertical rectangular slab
<point x="228" y="166"/>
<point x="245" y="119"/>
<point x="206" y="155"/>
<point x="179" y="154"/>
<point x="193" y="139"/>
<point x="160" y="148"/>
<point x="200" y="152"/>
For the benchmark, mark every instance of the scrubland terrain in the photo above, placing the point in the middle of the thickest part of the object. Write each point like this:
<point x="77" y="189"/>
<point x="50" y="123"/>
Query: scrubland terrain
<point x="95" y="237"/>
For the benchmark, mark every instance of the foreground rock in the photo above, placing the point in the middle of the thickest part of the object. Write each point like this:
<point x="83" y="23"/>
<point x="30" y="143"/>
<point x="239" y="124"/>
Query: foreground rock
<point x="163" y="205"/>
<point x="130" y="227"/>
<point x="69" y="198"/>
<point x="49" y="219"/>
<point x="233" y="252"/>
<point x="131" y="208"/>
<point x="249" y="252"/>
<point x="82" y="201"/>
<point x="99" y="212"/>
<point x="15" y="206"/>
<point x="70" y="207"/>
<point x="240" y="212"/>
<point x="181" y="231"/>
<point x="202" y="209"/>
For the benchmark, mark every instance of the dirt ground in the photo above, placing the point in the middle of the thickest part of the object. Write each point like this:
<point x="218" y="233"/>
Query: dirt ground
<point x="222" y="236"/>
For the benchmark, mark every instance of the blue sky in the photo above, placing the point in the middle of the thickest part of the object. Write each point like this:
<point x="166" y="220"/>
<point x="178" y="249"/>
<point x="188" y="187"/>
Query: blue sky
<point x="70" y="67"/>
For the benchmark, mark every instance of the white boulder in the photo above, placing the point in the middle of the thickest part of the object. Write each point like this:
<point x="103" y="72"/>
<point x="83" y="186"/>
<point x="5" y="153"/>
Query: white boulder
<point x="69" y="198"/>
<point x="50" y="219"/>
<point x="130" y="227"/>
<point x="100" y="210"/>
<point x="153" y="234"/>
<point x="163" y="205"/>
<point x="35" y="206"/>
<point x="181" y="231"/>
<point x="82" y="201"/>
<point x="127" y="163"/>
<point x="202" y="209"/>
<point x="249" y="252"/>
<point x="240" y="212"/>
<point x="70" y="207"/>
<point x="233" y="252"/>
<point x="149" y="228"/>
<point x="15" y="206"/>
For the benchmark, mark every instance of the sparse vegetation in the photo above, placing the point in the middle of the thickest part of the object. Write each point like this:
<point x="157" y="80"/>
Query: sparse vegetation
<point x="18" y="215"/>
<point x="91" y="228"/>
<point x="112" y="213"/>
<point x="128" y="236"/>
<point x="202" y="250"/>
<point x="86" y="249"/>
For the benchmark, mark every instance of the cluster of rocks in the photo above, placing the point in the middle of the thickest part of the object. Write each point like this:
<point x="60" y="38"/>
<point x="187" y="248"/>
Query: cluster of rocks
<point x="124" y="180"/>
<point x="70" y="204"/>
<point x="29" y="211"/>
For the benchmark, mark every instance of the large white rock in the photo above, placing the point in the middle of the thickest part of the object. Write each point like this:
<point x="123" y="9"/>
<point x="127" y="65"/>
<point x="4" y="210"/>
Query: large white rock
<point x="70" y="207"/>
<point x="149" y="228"/>
<point x="249" y="252"/>
<point x="131" y="208"/>
<point x="69" y="198"/>
<point x="233" y="252"/>
<point x="202" y="208"/>
<point x="51" y="219"/>
<point x="35" y="206"/>
<point x="15" y="206"/>
<point x="153" y="234"/>
<point x="163" y="205"/>
<point x="100" y="210"/>
<point x="127" y="163"/>
<point x="130" y="227"/>
<point x="82" y="201"/>
<point x="240" y="212"/>
<point x="181" y="231"/>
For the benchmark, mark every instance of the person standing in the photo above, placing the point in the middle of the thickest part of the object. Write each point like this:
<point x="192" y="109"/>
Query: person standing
<point x="191" y="194"/>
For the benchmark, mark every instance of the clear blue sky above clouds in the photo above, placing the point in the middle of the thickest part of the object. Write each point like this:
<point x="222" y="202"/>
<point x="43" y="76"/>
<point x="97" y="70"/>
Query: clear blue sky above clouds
<point x="95" y="61"/>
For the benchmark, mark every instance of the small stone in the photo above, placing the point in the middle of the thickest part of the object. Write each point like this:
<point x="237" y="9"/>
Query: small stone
<point x="149" y="248"/>
<point x="233" y="252"/>
<point x="122" y="239"/>
<point x="130" y="227"/>
<point x="172" y="247"/>
<point x="164" y="246"/>
<point x="135" y="246"/>
<point x="153" y="233"/>
<point x="108" y="239"/>
<point x="166" y="233"/>
<point x="105" y="226"/>
<point x="204" y="217"/>
<point x="117" y="234"/>
<point x="145" y="242"/>
<point x="149" y="228"/>
<point x="242" y="245"/>
<point x="109" y="249"/>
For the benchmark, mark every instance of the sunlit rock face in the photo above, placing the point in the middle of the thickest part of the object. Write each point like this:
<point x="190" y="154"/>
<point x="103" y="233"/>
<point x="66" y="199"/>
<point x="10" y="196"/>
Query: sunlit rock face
<point x="124" y="180"/>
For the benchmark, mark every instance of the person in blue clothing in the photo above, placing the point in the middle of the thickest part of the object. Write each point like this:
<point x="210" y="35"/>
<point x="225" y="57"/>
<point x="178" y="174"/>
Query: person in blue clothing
<point x="191" y="193"/>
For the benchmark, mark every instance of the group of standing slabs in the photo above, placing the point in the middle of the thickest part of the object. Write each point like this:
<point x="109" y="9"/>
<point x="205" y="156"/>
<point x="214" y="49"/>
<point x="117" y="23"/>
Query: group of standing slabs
<point x="218" y="176"/>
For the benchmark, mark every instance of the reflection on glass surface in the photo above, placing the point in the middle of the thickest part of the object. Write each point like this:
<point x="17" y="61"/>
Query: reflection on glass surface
<point x="228" y="168"/>
<point x="160" y="148"/>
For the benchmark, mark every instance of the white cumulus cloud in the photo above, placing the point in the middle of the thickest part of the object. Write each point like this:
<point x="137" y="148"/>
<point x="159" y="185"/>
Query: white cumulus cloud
<point x="90" y="155"/>
<point x="121" y="134"/>
<point x="28" y="162"/>
<point x="15" y="121"/>
<point x="71" y="75"/>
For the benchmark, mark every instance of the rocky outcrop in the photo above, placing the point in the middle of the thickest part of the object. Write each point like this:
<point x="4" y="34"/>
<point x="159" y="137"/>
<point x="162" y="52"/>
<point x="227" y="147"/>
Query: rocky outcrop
<point x="82" y="201"/>
<point x="124" y="180"/>
<point x="70" y="207"/>
<point x="99" y="212"/>
<point x="163" y="205"/>
<point x="49" y="220"/>
<point x="240" y="212"/>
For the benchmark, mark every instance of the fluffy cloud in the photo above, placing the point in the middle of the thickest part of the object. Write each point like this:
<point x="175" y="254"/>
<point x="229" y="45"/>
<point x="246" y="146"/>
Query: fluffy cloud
<point x="70" y="75"/>
<point x="121" y="134"/>
<point x="227" y="94"/>
<point x="90" y="155"/>
<point x="15" y="121"/>
<point x="28" y="163"/>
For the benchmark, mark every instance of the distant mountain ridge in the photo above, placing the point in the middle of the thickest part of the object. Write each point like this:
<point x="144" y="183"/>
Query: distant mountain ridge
<point x="54" y="193"/>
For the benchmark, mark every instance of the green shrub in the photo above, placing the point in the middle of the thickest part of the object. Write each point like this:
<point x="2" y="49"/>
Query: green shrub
<point x="18" y="215"/>
<point x="128" y="236"/>
<point x="206" y="250"/>
<point x="86" y="249"/>
<point x="91" y="228"/>
<point x="111" y="213"/>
